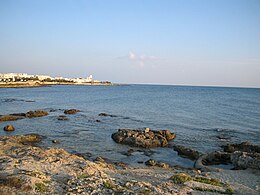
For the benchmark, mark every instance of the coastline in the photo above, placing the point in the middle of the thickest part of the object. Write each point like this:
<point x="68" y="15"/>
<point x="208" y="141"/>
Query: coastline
<point x="29" y="169"/>
<point x="33" y="84"/>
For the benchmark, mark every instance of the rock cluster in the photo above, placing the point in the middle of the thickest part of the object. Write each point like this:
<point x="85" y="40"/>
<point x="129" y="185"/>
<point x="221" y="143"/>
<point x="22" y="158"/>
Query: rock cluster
<point x="28" y="169"/>
<point x="145" y="139"/>
<point x="17" y="116"/>
<point x="242" y="156"/>
<point x="37" y="113"/>
<point x="154" y="163"/>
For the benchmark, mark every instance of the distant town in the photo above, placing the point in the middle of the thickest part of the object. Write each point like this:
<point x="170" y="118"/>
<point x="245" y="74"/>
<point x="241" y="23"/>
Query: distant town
<point x="28" y="80"/>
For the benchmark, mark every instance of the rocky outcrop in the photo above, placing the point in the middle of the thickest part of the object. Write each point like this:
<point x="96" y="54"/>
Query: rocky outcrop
<point x="9" y="128"/>
<point x="186" y="152"/>
<point x="71" y="111"/>
<point x="146" y="139"/>
<point x="243" y="147"/>
<point x="244" y="160"/>
<point x="9" y="118"/>
<point x="36" y="113"/>
<point x="28" y="169"/>
<point x="242" y="156"/>
<point x="17" y="116"/>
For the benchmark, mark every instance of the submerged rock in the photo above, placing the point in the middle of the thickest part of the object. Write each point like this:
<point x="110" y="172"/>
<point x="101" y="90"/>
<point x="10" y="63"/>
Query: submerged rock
<point x="106" y="114"/>
<point x="36" y="113"/>
<point x="139" y="138"/>
<point x="55" y="141"/>
<point x="17" y="116"/>
<point x="71" y="111"/>
<point x="62" y="118"/>
<point x="186" y="152"/>
<point x="9" y="128"/>
<point x="9" y="118"/>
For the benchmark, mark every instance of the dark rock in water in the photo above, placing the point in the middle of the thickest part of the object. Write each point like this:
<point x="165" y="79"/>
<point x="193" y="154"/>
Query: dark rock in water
<point x="62" y="118"/>
<point x="152" y="163"/>
<point x="214" y="158"/>
<point x="244" y="160"/>
<point x="55" y="141"/>
<point x="29" y="101"/>
<point x="98" y="121"/>
<point x="186" y="152"/>
<point x="139" y="138"/>
<point x="105" y="114"/>
<point x="71" y="111"/>
<point x="19" y="114"/>
<point x="243" y="147"/>
<point x="36" y="113"/>
<point x="9" y="118"/>
<point x="9" y="128"/>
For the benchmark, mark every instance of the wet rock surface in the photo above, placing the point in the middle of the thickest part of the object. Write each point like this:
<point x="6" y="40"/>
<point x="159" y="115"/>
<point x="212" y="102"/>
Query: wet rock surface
<point x="9" y="128"/>
<point x="4" y="118"/>
<point x="186" y="152"/>
<point x="62" y="118"/>
<point x="106" y="114"/>
<point x="213" y="158"/>
<point x="241" y="156"/>
<point x="153" y="163"/>
<point x="243" y="147"/>
<point x="17" y="116"/>
<point x="71" y="111"/>
<point x="143" y="138"/>
<point x="244" y="160"/>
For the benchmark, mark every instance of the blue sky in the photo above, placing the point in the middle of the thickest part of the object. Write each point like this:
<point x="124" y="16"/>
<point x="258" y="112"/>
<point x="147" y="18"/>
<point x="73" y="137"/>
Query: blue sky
<point x="188" y="42"/>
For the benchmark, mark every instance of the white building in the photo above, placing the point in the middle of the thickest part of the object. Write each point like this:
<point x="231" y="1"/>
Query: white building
<point x="89" y="79"/>
<point x="43" y="77"/>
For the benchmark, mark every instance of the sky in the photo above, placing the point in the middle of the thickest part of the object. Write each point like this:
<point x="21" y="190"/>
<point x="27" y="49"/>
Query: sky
<point x="178" y="42"/>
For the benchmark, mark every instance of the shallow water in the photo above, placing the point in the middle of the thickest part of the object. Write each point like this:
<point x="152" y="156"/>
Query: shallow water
<point x="204" y="118"/>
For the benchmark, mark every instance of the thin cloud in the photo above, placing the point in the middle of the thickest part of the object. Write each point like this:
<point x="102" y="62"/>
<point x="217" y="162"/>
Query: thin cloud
<point x="141" y="60"/>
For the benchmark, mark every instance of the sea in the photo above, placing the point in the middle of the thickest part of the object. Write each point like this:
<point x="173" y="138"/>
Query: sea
<point x="203" y="118"/>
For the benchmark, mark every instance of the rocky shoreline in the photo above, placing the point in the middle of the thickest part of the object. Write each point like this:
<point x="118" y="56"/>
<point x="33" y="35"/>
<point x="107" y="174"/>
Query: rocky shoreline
<point x="26" y="168"/>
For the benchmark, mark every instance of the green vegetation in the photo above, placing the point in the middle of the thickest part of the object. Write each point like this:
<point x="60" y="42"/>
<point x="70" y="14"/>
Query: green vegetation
<point x="40" y="187"/>
<point x="228" y="190"/>
<point x="145" y="191"/>
<point x="81" y="176"/>
<point x="108" y="184"/>
<point x="212" y="181"/>
<point x="180" y="178"/>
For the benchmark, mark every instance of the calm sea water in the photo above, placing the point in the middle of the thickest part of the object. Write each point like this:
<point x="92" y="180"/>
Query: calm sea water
<point x="204" y="118"/>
